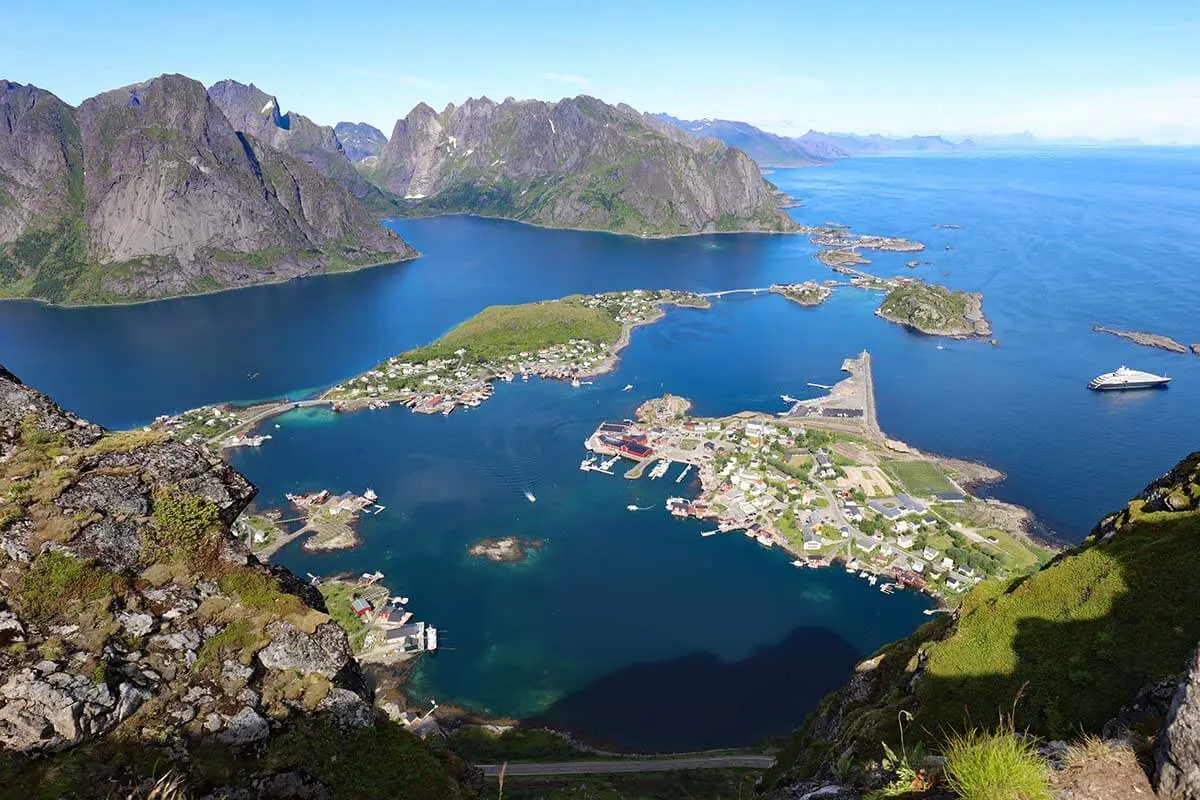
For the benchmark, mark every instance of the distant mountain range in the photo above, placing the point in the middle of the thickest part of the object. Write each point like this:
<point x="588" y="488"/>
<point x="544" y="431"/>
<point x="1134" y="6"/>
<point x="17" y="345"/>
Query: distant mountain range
<point x="772" y="150"/>
<point x="578" y="163"/>
<point x="164" y="188"/>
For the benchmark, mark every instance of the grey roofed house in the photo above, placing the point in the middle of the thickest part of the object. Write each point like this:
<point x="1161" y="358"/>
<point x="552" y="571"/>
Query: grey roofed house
<point x="909" y="504"/>
<point x="823" y="459"/>
<point x="879" y="507"/>
<point x="405" y="631"/>
<point x="397" y="614"/>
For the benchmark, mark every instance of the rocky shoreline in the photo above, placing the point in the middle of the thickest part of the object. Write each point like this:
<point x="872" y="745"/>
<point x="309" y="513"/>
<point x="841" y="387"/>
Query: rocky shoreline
<point x="1146" y="339"/>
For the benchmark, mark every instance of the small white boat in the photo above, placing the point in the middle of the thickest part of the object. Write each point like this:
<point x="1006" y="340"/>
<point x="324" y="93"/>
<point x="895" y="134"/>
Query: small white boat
<point x="787" y="398"/>
<point x="632" y="507"/>
<point x="709" y="533"/>
<point x="588" y="463"/>
<point x="575" y="383"/>
<point x="797" y="563"/>
<point x="529" y="496"/>
<point x="749" y="534"/>
<point x="628" y="387"/>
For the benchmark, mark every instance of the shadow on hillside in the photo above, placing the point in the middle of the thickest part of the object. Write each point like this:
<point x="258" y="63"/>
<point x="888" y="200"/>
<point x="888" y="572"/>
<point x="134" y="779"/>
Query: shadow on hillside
<point x="1088" y="635"/>
<point x="698" y="701"/>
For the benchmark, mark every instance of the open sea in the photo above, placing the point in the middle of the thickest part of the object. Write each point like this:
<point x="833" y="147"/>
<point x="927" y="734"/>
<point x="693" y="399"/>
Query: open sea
<point x="629" y="628"/>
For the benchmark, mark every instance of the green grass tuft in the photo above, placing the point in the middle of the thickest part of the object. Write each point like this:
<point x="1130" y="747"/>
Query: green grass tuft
<point x="996" y="765"/>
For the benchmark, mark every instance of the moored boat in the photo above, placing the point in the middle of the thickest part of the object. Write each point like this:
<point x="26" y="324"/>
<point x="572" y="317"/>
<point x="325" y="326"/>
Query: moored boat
<point x="1125" y="378"/>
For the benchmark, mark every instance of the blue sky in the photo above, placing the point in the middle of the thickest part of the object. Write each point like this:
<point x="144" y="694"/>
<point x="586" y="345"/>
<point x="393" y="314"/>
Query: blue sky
<point x="1056" y="67"/>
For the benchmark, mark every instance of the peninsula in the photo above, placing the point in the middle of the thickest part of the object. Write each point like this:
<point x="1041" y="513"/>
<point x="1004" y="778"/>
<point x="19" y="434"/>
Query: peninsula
<point x="822" y="482"/>
<point x="569" y="339"/>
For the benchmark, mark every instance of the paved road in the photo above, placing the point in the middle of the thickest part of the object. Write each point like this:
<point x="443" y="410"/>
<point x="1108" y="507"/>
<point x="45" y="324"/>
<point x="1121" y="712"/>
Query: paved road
<point x="646" y="765"/>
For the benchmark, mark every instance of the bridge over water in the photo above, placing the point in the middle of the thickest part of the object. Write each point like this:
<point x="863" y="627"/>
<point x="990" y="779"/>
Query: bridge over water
<point x="727" y="292"/>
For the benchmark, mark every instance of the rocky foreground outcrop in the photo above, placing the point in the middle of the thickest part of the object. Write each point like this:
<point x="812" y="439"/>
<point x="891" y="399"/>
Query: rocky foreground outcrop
<point x="577" y="163"/>
<point x="1177" y="755"/>
<point x="148" y="191"/>
<point x="136" y="632"/>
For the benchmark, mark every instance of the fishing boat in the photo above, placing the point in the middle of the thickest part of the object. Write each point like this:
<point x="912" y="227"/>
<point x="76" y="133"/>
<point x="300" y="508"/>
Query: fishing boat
<point x="797" y="563"/>
<point x="628" y="387"/>
<point x="529" y="496"/>
<point x="588" y="463"/>
<point x="787" y="398"/>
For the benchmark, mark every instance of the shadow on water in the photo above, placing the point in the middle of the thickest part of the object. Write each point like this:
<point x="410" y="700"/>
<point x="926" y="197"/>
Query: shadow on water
<point x="697" y="701"/>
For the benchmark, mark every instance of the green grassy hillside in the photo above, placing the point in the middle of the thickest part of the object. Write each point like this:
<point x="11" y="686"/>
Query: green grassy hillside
<point x="1069" y="644"/>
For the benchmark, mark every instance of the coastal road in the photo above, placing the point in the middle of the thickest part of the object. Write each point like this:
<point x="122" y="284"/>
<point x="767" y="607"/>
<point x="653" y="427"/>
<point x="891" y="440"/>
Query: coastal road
<point x="622" y="765"/>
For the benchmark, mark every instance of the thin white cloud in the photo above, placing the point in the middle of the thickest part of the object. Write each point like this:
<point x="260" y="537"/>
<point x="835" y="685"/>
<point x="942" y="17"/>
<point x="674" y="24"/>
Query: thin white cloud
<point x="563" y="77"/>
<point x="397" y="78"/>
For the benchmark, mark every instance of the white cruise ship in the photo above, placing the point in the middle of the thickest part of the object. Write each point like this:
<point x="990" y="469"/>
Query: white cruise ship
<point x="1126" y="378"/>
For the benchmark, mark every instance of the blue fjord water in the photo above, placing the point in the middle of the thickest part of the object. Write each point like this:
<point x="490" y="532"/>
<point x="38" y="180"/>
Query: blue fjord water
<point x="624" y="619"/>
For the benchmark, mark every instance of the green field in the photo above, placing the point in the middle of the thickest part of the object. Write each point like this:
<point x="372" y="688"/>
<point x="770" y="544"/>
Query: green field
<point x="500" y="331"/>
<point x="1023" y="554"/>
<point x="919" y="478"/>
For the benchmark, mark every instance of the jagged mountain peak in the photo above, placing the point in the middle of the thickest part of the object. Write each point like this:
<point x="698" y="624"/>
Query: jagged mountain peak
<point x="148" y="190"/>
<point x="577" y="161"/>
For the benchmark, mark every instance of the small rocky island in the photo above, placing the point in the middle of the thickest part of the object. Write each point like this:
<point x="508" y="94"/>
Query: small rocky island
<point x="1145" y="339"/>
<point x="507" y="549"/>
<point x="809" y="293"/>
<point x="936" y="310"/>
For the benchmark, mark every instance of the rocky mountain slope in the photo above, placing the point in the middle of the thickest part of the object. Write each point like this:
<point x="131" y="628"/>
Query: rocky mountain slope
<point x="360" y="140"/>
<point x="576" y="163"/>
<point x="148" y="191"/>
<point x="1093" y="643"/>
<point x="137" y="636"/>
<point x="254" y="112"/>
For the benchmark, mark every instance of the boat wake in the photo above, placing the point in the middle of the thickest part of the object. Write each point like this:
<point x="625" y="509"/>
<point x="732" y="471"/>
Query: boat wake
<point x="638" y="508"/>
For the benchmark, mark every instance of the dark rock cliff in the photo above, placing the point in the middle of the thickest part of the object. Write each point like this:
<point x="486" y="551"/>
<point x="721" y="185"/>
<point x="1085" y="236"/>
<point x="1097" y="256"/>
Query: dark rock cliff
<point x="575" y="163"/>
<point x="148" y="191"/>
<point x="256" y="113"/>
<point x="137" y="635"/>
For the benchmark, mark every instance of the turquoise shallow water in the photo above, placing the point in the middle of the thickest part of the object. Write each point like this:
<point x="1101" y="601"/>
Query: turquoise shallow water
<point x="625" y="619"/>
